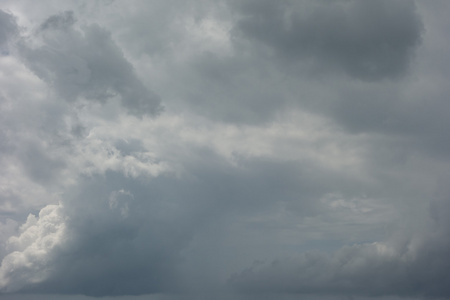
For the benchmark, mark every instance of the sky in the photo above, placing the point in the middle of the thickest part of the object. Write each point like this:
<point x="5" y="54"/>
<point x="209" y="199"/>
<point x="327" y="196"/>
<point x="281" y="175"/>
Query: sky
<point x="230" y="150"/>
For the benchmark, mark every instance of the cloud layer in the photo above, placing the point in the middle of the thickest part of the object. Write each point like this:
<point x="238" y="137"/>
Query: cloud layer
<point x="224" y="149"/>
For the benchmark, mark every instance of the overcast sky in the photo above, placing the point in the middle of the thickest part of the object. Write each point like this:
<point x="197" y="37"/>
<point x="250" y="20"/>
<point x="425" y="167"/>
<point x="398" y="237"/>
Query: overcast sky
<point x="227" y="149"/>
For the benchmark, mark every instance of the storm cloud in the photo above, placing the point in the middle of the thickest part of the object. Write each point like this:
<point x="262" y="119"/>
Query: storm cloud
<point x="224" y="150"/>
<point x="367" y="40"/>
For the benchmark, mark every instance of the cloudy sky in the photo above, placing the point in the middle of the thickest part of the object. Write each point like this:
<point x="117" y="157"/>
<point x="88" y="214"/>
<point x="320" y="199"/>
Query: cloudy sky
<point x="227" y="149"/>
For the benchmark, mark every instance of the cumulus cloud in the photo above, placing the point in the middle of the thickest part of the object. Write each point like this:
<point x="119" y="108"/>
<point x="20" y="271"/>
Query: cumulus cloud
<point x="101" y="242"/>
<point x="27" y="263"/>
<point x="134" y="231"/>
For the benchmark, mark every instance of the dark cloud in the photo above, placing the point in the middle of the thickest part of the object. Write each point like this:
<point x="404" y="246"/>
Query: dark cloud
<point x="410" y="269"/>
<point x="119" y="235"/>
<point x="303" y="152"/>
<point x="367" y="40"/>
<point x="86" y="63"/>
<point x="115" y="250"/>
<point x="8" y="29"/>
<point x="406" y="265"/>
<point x="107" y="241"/>
<point x="274" y="56"/>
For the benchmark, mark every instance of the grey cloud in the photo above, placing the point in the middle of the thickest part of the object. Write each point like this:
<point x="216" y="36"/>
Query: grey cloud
<point x="127" y="147"/>
<point x="86" y="63"/>
<point x="367" y="40"/>
<point x="357" y="270"/>
<point x="8" y="29"/>
<point x="234" y="81"/>
<point x="125" y="235"/>
<point x="400" y="117"/>
<point x="196" y="73"/>
<point x="279" y="50"/>
<point x="40" y="166"/>
<point x="103" y="251"/>
<point x="408" y="265"/>
<point x="62" y="21"/>
<point x="264" y="152"/>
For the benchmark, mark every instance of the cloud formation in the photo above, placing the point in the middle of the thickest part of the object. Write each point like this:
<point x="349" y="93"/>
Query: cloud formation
<point x="8" y="30"/>
<point x="86" y="63"/>
<point x="367" y="40"/>
<point x="302" y="150"/>
<point x="414" y="268"/>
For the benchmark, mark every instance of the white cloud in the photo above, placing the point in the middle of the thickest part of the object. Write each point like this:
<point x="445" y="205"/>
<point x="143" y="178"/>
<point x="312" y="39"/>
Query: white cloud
<point x="31" y="250"/>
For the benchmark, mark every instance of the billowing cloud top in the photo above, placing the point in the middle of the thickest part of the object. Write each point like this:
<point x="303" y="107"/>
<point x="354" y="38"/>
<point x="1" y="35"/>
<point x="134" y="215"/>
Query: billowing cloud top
<point x="224" y="149"/>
